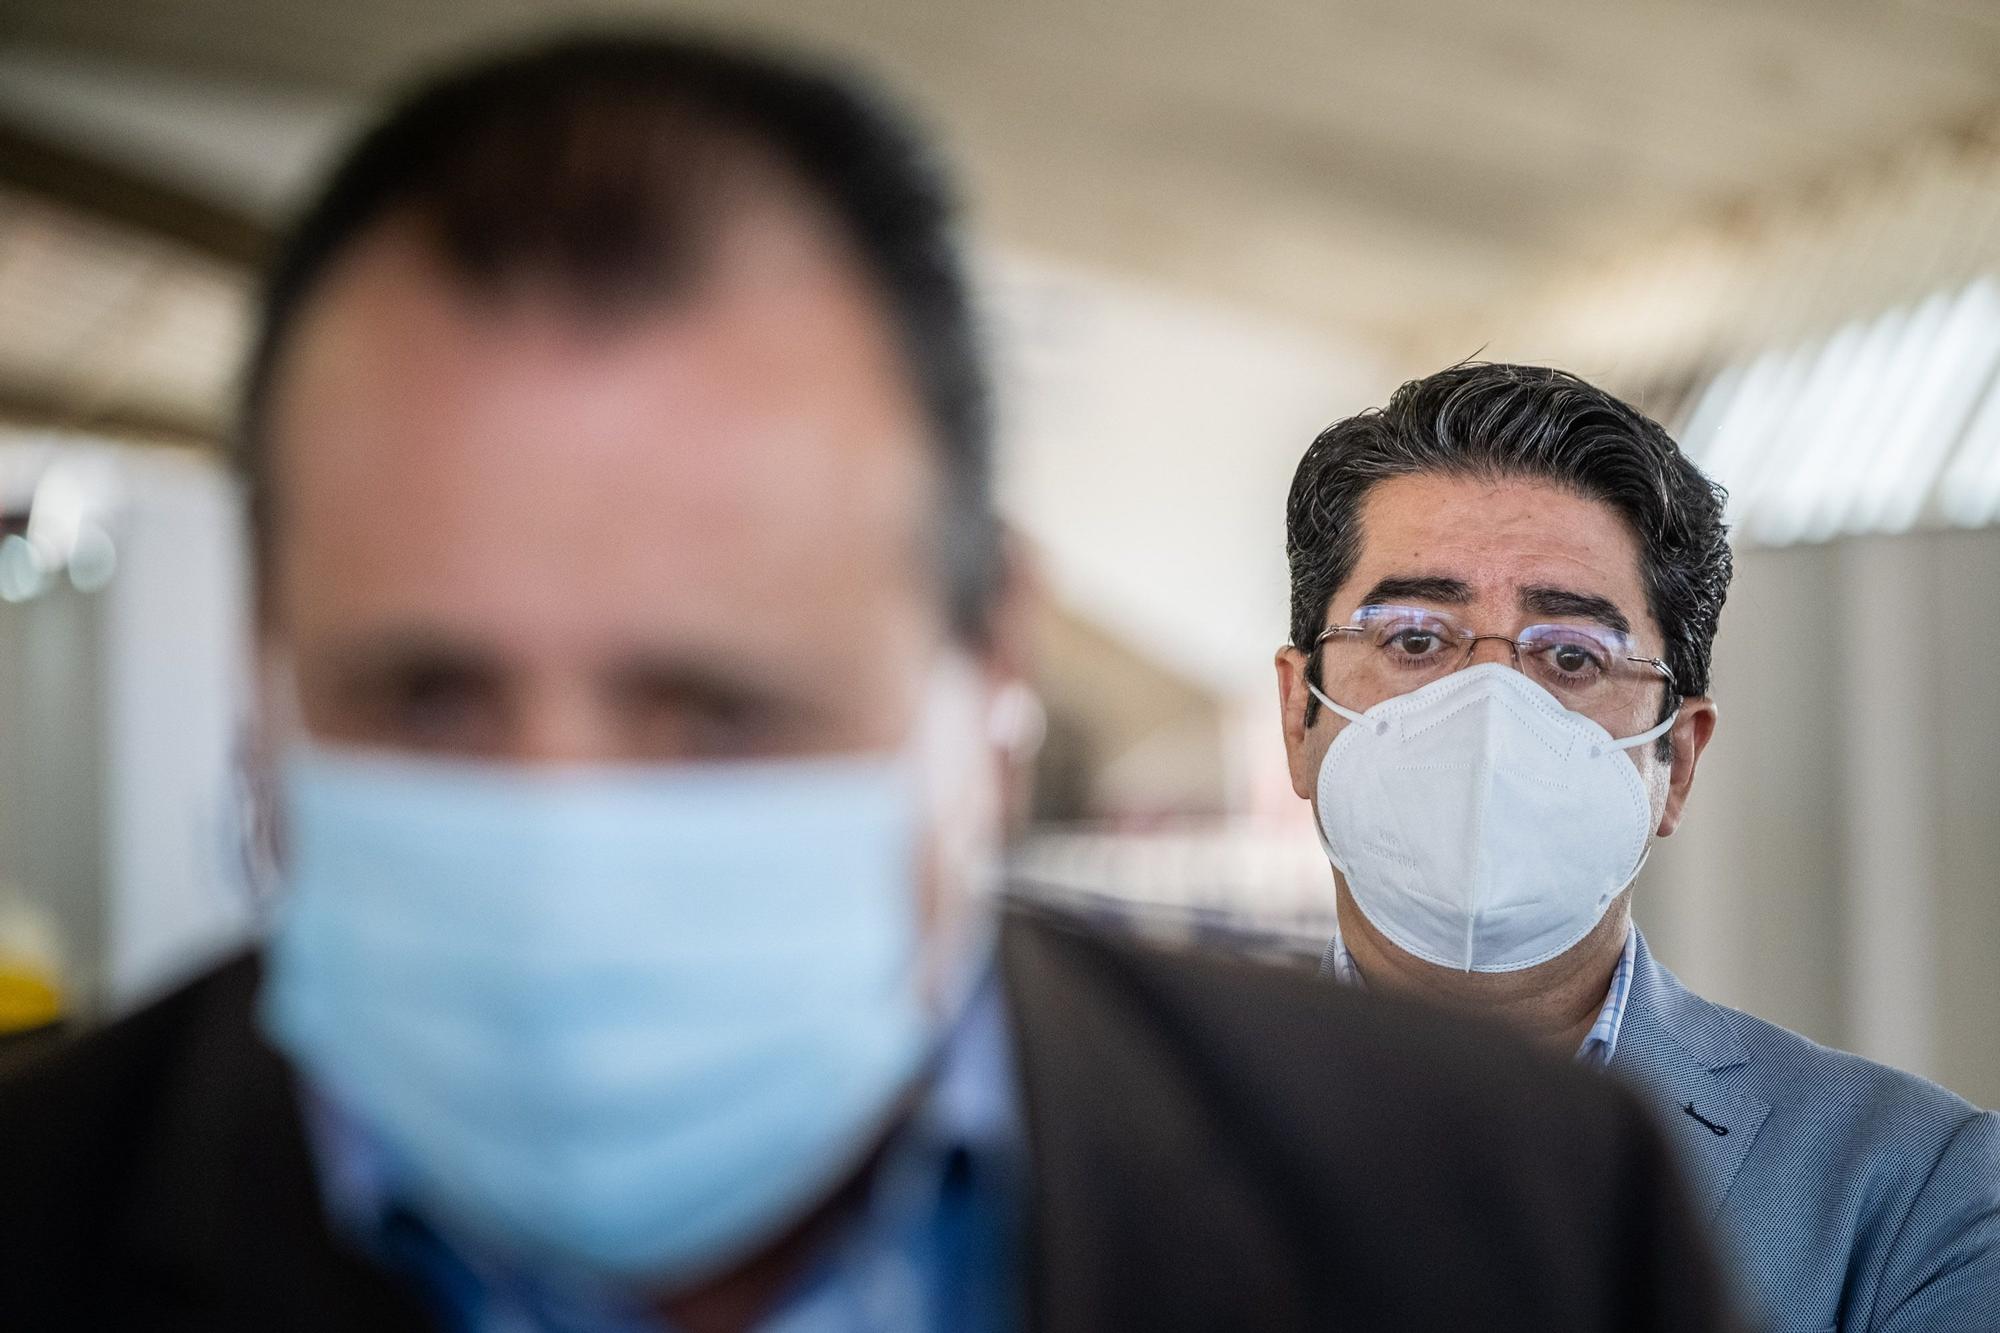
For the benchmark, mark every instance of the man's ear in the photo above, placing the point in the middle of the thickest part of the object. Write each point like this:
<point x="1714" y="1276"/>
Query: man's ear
<point x="1293" y="697"/>
<point x="1691" y="733"/>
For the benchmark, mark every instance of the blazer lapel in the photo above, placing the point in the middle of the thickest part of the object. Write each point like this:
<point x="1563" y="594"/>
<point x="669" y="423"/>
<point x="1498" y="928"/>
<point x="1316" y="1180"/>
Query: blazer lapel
<point x="226" y="1206"/>
<point x="1684" y="1056"/>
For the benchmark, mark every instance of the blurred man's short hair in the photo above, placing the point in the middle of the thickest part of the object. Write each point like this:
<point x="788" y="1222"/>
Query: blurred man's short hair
<point x="598" y="171"/>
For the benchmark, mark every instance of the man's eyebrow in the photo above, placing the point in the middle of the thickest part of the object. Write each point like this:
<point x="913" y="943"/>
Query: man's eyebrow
<point x="1541" y="600"/>
<point x="1419" y="588"/>
<point x="405" y="650"/>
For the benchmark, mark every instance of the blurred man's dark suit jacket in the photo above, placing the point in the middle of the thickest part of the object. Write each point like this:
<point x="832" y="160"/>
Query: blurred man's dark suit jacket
<point x="1213" y="1146"/>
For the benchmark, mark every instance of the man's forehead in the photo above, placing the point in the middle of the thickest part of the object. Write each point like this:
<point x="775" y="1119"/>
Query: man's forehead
<point x="759" y="423"/>
<point x="788" y="349"/>
<point x="1506" y="541"/>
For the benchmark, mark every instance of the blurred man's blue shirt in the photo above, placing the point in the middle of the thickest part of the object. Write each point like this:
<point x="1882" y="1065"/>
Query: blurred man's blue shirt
<point x="930" y="1245"/>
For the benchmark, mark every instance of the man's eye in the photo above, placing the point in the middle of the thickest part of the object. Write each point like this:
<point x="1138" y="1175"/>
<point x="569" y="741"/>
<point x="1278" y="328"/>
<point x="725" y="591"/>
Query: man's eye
<point x="671" y="721"/>
<point x="1573" y="660"/>
<point x="436" y="706"/>
<point x="721" y="732"/>
<point x="1415" y="642"/>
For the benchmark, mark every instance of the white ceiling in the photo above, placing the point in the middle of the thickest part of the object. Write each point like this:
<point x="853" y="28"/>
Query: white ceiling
<point x="1207" y="228"/>
<point x="1376" y="167"/>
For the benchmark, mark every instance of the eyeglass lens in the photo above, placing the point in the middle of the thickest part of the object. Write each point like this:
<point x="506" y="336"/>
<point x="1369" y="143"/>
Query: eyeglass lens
<point x="1390" y="650"/>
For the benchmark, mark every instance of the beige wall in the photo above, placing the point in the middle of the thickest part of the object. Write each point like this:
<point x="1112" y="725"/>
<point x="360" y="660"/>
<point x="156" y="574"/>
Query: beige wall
<point x="1839" y="871"/>
<point x="51" y="783"/>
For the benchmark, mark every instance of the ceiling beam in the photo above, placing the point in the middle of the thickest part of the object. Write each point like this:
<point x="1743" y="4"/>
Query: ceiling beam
<point x="65" y="175"/>
<point x="25" y="408"/>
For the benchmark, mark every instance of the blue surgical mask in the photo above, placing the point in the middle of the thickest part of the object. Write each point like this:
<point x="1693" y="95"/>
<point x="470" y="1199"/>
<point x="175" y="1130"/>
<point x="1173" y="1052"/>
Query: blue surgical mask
<point x="628" y="1022"/>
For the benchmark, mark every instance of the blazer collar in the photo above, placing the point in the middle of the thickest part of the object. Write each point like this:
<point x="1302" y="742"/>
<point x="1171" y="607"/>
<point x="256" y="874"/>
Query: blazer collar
<point x="1686" y="1056"/>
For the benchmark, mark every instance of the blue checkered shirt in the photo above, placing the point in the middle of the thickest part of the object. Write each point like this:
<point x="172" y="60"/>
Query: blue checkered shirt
<point x="1602" y="1041"/>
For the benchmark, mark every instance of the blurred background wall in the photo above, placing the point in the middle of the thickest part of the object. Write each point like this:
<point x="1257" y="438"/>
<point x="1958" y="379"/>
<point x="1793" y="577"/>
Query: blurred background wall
<point x="1203" y="232"/>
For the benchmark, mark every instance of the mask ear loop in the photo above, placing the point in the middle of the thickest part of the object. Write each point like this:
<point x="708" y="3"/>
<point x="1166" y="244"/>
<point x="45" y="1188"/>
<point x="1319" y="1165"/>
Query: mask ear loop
<point x="253" y="825"/>
<point x="1319" y="828"/>
<point x="1347" y="713"/>
<point x="1652" y="734"/>
<point x="1630" y="743"/>
<point x="949" y="757"/>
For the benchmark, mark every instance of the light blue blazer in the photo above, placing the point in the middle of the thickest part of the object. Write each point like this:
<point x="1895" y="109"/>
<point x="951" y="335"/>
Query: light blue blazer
<point x="1846" y="1195"/>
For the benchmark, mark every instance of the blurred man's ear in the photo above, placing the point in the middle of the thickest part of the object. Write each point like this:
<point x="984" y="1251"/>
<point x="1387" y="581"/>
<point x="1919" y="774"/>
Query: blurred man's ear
<point x="1691" y="733"/>
<point x="1293" y="697"/>
<point x="1008" y="651"/>
<point x="1018" y="721"/>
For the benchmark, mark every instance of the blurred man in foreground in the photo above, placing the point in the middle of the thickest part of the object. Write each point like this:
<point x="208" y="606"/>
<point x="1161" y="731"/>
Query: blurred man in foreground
<point x="1505" y="587"/>
<point x="635" y="634"/>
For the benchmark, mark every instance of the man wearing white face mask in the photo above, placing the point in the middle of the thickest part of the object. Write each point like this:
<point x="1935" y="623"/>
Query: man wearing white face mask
<point x="1505" y="585"/>
<point x="638" y="662"/>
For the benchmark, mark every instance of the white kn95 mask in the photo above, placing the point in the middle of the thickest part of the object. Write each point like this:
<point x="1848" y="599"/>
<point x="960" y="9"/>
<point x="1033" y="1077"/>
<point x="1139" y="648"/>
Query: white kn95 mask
<point x="1479" y="824"/>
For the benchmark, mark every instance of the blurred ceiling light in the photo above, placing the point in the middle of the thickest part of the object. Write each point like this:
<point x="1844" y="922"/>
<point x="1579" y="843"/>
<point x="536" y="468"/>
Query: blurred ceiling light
<point x="93" y="559"/>
<point x="1890" y="423"/>
<point x="1959" y="369"/>
<point x="23" y="576"/>
<point x="1970" y="494"/>
<point x="76" y="485"/>
<point x="1881" y="397"/>
<point x="71" y="493"/>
